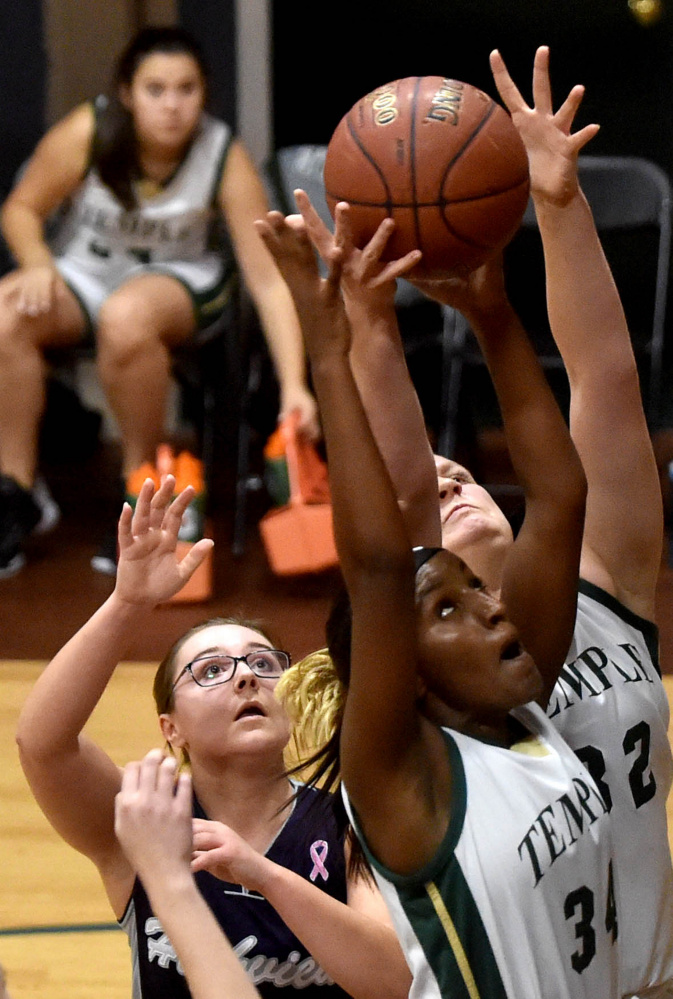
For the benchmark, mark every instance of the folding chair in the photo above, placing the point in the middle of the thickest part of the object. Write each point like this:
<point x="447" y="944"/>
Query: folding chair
<point x="630" y="198"/>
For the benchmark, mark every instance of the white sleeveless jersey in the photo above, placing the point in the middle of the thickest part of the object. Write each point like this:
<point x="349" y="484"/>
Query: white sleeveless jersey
<point x="611" y="707"/>
<point x="518" y="902"/>
<point x="176" y="225"/>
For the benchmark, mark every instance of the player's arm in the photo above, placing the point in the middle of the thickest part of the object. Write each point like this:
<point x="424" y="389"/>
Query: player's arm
<point x="153" y="823"/>
<point x="53" y="172"/>
<point x="539" y="576"/>
<point x="243" y="200"/>
<point x="354" y="943"/>
<point x="379" y="366"/>
<point x="624" y="524"/>
<point x="385" y="741"/>
<point x="74" y="781"/>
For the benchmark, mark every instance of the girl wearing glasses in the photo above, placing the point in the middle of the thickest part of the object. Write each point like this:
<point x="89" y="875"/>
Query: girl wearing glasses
<point x="294" y="918"/>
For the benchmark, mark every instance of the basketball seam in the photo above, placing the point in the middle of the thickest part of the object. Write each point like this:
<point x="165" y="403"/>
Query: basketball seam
<point x="434" y="204"/>
<point x="388" y="204"/>
<point x="412" y="164"/>
<point x="468" y="140"/>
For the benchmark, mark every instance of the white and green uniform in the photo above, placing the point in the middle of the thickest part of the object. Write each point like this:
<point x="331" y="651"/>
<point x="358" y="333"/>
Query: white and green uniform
<point x="98" y="245"/>
<point x="519" y="900"/>
<point x="611" y="707"/>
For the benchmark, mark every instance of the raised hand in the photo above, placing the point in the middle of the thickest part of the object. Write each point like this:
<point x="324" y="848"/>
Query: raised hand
<point x="318" y="300"/>
<point x="552" y="148"/>
<point x="149" y="570"/>
<point x="365" y="278"/>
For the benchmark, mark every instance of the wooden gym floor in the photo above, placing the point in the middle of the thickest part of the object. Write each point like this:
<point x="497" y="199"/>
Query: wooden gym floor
<point x="57" y="937"/>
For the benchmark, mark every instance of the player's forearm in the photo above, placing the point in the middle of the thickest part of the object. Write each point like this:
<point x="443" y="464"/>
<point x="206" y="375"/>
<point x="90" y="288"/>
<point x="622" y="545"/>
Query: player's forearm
<point x="282" y="333"/>
<point x="539" y="444"/>
<point x="396" y="419"/>
<point x="585" y="312"/>
<point x="212" y="969"/>
<point x="368" y="526"/>
<point x="23" y="231"/>
<point x="65" y="695"/>
<point x="361" y="955"/>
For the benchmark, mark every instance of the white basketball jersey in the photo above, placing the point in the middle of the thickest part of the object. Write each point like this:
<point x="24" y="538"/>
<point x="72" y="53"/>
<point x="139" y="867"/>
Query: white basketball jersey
<point x="518" y="902"/>
<point x="611" y="707"/>
<point x="176" y="224"/>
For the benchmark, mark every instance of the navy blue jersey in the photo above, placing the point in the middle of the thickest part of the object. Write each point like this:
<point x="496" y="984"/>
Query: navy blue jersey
<point x="310" y="844"/>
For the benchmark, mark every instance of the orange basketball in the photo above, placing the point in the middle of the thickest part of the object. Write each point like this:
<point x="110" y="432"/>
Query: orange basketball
<point x="442" y="159"/>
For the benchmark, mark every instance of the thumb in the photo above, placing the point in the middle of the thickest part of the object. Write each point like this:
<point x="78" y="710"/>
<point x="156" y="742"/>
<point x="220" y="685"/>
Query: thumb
<point x="195" y="556"/>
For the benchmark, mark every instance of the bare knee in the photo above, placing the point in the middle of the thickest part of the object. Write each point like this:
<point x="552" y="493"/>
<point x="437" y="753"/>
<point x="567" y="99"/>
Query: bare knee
<point x="126" y="332"/>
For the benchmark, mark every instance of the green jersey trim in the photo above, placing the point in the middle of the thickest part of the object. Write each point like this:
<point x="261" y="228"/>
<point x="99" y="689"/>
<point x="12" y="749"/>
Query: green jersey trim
<point x="440" y="907"/>
<point x="648" y="629"/>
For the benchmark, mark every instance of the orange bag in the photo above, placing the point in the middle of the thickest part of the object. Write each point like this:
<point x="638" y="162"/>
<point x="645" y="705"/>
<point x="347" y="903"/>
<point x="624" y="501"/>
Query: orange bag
<point x="298" y="537"/>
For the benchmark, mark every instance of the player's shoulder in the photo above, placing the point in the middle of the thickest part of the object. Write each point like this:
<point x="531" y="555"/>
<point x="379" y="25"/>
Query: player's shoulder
<point x="638" y="597"/>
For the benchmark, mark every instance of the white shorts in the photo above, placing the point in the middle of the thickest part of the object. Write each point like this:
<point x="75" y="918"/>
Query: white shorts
<point x="207" y="283"/>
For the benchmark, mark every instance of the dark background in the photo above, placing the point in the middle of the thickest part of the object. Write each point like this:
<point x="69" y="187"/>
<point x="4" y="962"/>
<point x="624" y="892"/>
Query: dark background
<point x="326" y="58"/>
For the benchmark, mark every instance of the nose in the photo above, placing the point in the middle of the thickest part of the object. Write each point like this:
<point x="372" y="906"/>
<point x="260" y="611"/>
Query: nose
<point x="490" y="608"/>
<point x="171" y="98"/>
<point x="448" y="487"/>
<point x="244" y="677"/>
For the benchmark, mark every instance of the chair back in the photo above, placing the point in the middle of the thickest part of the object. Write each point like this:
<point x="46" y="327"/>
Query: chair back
<point x="298" y="166"/>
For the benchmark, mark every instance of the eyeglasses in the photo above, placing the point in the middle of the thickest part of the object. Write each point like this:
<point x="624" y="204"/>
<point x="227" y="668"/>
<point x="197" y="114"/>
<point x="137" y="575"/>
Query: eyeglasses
<point x="209" y="671"/>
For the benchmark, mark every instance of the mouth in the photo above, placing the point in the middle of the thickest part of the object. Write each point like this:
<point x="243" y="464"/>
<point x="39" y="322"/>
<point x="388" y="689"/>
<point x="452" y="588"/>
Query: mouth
<point x="456" y="509"/>
<point x="250" y="710"/>
<point x="513" y="650"/>
<point x="515" y="657"/>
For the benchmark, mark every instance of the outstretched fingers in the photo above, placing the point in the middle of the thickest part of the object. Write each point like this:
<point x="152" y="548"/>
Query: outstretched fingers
<point x="542" y="96"/>
<point x="318" y="232"/>
<point x="508" y="90"/>
<point x="287" y="241"/>
<point x="173" y="511"/>
<point x="565" y="117"/>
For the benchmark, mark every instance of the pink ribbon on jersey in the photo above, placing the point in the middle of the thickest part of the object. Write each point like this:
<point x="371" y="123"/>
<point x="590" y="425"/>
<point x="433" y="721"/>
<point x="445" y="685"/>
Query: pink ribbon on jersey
<point x="318" y="854"/>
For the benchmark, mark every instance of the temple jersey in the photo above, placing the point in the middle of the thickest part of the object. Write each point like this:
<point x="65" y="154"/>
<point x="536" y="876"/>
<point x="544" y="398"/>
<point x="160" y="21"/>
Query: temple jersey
<point x="276" y="962"/>
<point x="519" y="900"/>
<point x="610" y="705"/>
<point x="175" y="225"/>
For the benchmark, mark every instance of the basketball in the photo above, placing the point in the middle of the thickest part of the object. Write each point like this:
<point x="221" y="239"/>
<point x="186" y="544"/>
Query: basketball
<point x="442" y="159"/>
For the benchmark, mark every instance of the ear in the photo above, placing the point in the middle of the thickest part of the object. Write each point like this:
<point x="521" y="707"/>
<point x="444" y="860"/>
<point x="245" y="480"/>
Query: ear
<point x="171" y="732"/>
<point x="124" y="95"/>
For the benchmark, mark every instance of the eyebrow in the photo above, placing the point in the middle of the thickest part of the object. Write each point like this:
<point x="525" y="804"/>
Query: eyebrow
<point x="251" y="647"/>
<point x="425" y="588"/>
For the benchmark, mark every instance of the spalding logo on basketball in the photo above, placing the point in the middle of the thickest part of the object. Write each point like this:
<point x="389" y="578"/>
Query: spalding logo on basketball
<point x="442" y="159"/>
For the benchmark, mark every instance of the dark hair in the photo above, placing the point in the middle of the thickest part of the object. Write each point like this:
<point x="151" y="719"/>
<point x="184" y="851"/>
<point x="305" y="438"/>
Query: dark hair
<point x="114" y="151"/>
<point x="324" y="765"/>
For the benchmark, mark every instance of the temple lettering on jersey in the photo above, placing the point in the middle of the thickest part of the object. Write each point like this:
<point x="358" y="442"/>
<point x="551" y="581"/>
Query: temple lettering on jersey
<point x="592" y="673"/>
<point x="559" y="825"/>
<point x="134" y="224"/>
